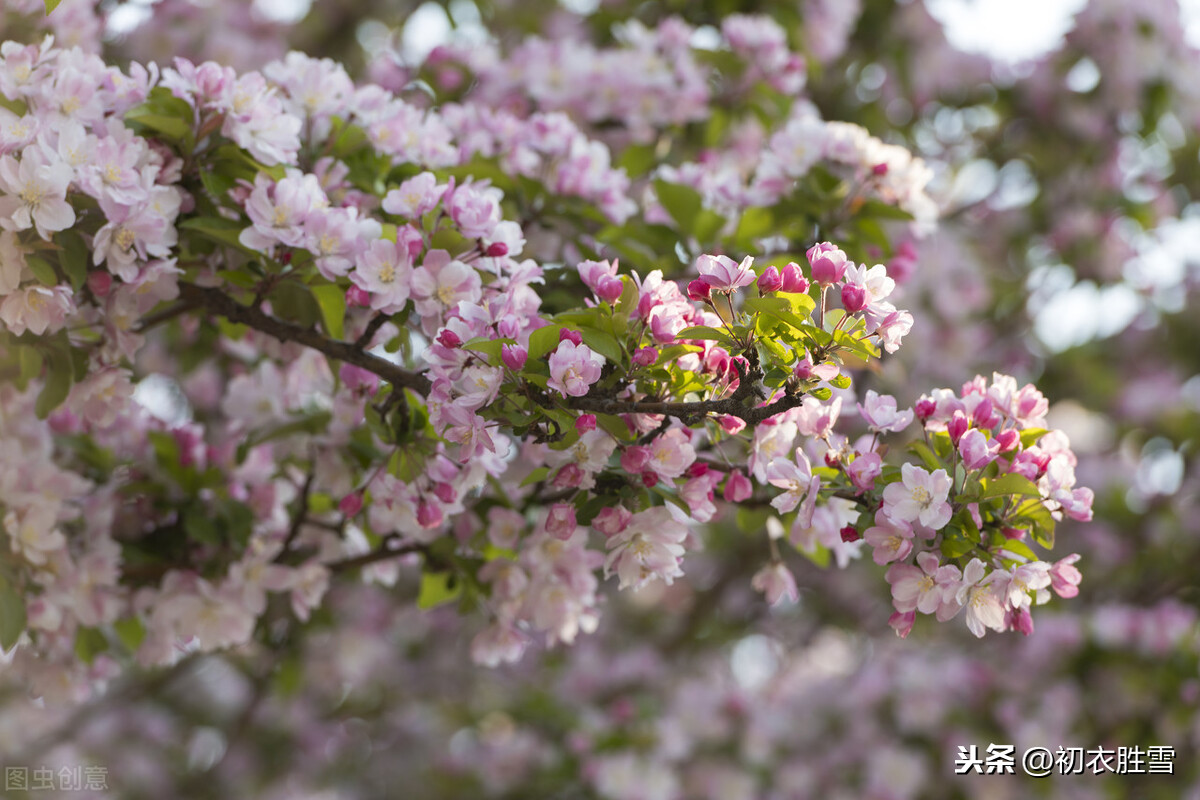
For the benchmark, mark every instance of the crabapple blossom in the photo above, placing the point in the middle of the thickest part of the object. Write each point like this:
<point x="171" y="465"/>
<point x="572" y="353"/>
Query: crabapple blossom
<point x="881" y="413"/>
<point x="920" y="496"/>
<point x="574" y="368"/>
<point x="723" y="274"/>
<point x="35" y="191"/>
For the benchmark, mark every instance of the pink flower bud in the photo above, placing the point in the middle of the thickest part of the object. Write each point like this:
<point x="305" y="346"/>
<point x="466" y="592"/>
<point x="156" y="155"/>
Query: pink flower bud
<point x="1019" y="619"/>
<point x="100" y="283"/>
<point x="731" y="424"/>
<point x="357" y="296"/>
<point x="585" y="423"/>
<point x="880" y="169"/>
<point x="645" y="356"/>
<point x="697" y="469"/>
<point x="351" y="504"/>
<point x="634" y="459"/>
<point x="828" y="263"/>
<point x="925" y="408"/>
<point x="429" y="515"/>
<point x="832" y="459"/>
<point x="646" y="304"/>
<point x="737" y="487"/>
<point x="610" y="289"/>
<point x="568" y="477"/>
<point x="560" y="522"/>
<point x="854" y="298"/>
<point x="957" y="426"/>
<point x="514" y="356"/>
<point x="902" y="624"/>
<point x="575" y="336"/>
<point x="649" y="479"/>
<point x="770" y="280"/>
<point x="496" y="250"/>
<point x="792" y="279"/>
<point x="1008" y="440"/>
<point x="850" y="534"/>
<point x="612" y="520"/>
<point x="1013" y="533"/>
<point x="449" y="339"/>
<point x="698" y="291"/>
<point x="445" y="492"/>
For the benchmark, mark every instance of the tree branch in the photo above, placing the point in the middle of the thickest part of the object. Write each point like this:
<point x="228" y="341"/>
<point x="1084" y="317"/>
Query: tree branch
<point x="217" y="302"/>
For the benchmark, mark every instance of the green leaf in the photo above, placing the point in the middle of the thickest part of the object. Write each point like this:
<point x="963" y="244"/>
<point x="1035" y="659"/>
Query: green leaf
<point x="89" y="643"/>
<point x="73" y="257"/>
<point x="59" y="377"/>
<point x="51" y="5"/>
<point x="218" y="229"/>
<point x="438" y="588"/>
<point x="164" y="113"/>
<point x="1030" y="437"/>
<point x="536" y="475"/>
<point x="42" y="270"/>
<point x="294" y="302"/>
<point x="955" y="545"/>
<point x="492" y="348"/>
<point x="30" y="361"/>
<point x="755" y="223"/>
<point x="542" y="341"/>
<point x="1012" y="483"/>
<point x="12" y="613"/>
<point x="131" y="632"/>
<point x="708" y="225"/>
<point x="332" y="301"/>
<point x="683" y="203"/>
<point x="840" y="381"/>
<point x="602" y="343"/>
<point x="927" y="456"/>
<point x="706" y="333"/>
<point x="777" y="308"/>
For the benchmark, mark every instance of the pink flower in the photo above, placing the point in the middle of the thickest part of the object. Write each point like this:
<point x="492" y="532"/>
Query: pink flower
<point x="723" y="274"/>
<point x="1065" y="577"/>
<point x="574" y="368"/>
<point x="792" y="280"/>
<point x="881" y="415"/>
<point x="864" y="469"/>
<point x="737" y="487"/>
<point x="976" y="449"/>
<point x="919" y="496"/>
<point x="770" y="280"/>
<point x="776" y="582"/>
<point x="828" y="263"/>
<point x="981" y="594"/>
<point x="385" y="271"/>
<point x="33" y="193"/>
<point x="560" y="522"/>
<point x="514" y="356"/>
<point x="797" y="478"/>
<point x="926" y="587"/>
<point x="891" y="540"/>
<point x="36" y="309"/>
<point x="416" y="196"/>
<point x="649" y="548"/>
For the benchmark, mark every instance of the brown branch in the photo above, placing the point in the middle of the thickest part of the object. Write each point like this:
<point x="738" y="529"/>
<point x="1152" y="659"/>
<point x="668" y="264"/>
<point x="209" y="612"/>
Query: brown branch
<point x="217" y="302"/>
<point x="731" y="406"/>
<point x="382" y="553"/>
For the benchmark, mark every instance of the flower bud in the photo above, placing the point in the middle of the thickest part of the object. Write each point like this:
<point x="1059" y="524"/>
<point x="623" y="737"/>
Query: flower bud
<point x="634" y="459"/>
<point x="880" y="169"/>
<point x="560" y="522"/>
<point x="357" y="296"/>
<point x="792" y="279"/>
<point x="849" y="534"/>
<point x="610" y="289"/>
<point x="828" y="263"/>
<point x="575" y="336"/>
<point x="925" y="408"/>
<point x="585" y="423"/>
<point x="569" y="477"/>
<point x="1008" y="440"/>
<point x="649" y="479"/>
<point x="445" y="492"/>
<point x="429" y="515"/>
<point x="100" y="283"/>
<point x="699" y="291"/>
<point x="514" y="356"/>
<point x="957" y="426"/>
<point x="612" y="520"/>
<point x="351" y="504"/>
<point x="496" y="250"/>
<point x="770" y="280"/>
<point x="645" y="356"/>
<point x="697" y="469"/>
<point x="449" y="339"/>
<point x="854" y="298"/>
<point x="737" y="487"/>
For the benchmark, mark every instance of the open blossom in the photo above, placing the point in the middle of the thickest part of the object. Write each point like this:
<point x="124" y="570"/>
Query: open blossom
<point x="670" y="454"/>
<point x="36" y="309"/>
<point x="891" y="540"/>
<point x="441" y="282"/>
<point x="34" y="193"/>
<point x="650" y="547"/>
<point x="976" y="449"/>
<point x="919" y="496"/>
<point x="982" y="595"/>
<point x="723" y="274"/>
<point x="12" y="262"/>
<point x="384" y="271"/>
<point x="928" y="587"/>
<point x="417" y="196"/>
<point x="574" y="368"/>
<point x="796" y="477"/>
<point x="881" y="415"/>
<point x="776" y="582"/>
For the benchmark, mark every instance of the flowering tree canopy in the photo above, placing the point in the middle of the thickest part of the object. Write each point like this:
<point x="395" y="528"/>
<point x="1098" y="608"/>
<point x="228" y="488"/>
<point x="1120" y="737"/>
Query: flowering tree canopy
<point x="576" y="360"/>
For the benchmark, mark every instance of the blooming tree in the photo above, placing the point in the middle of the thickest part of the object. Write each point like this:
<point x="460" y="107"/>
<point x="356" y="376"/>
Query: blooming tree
<point x="472" y="353"/>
